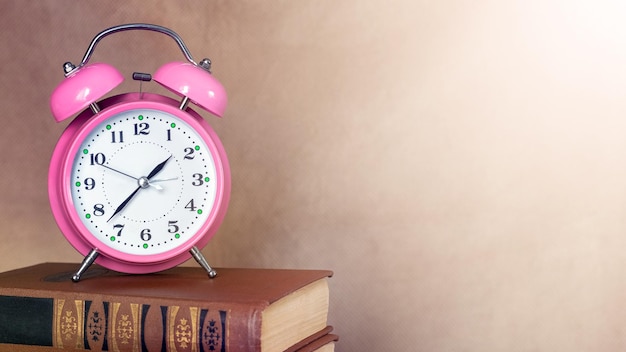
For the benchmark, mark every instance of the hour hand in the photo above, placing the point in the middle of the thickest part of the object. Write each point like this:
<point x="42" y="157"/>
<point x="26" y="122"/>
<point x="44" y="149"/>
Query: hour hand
<point x="158" y="168"/>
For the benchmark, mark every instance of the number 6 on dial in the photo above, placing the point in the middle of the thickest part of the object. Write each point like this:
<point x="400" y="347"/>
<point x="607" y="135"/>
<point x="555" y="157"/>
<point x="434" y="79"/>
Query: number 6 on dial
<point x="138" y="182"/>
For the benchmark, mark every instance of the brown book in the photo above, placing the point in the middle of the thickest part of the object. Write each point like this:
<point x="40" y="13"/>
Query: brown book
<point x="323" y="343"/>
<point x="180" y="309"/>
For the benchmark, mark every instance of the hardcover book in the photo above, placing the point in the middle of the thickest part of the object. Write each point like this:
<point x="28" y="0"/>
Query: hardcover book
<point x="324" y="343"/>
<point x="180" y="309"/>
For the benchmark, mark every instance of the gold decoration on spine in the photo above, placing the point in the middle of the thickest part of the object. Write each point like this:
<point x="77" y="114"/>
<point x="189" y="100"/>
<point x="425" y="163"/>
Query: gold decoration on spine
<point x="171" y="338"/>
<point x="68" y="324"/>
<point x="80" y="318"/>
<point x="134" y="308"/>
<point x="124" y="333"/>
<point x="182" y="332"/>
<point x="58" y="310"/>
<point x="195" y="323"/>
<point x="114" y="308"/>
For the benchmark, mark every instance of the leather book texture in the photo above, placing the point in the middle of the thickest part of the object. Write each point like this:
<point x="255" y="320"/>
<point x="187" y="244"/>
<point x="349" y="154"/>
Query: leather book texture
<point x="180" y="309"/>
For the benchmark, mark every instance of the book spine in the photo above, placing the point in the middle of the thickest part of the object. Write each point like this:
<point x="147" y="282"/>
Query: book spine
<point x="107" y="325"/>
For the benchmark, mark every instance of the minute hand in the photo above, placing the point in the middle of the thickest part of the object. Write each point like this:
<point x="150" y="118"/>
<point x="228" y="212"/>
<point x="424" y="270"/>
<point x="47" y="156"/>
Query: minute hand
<point x="124" y="203"/>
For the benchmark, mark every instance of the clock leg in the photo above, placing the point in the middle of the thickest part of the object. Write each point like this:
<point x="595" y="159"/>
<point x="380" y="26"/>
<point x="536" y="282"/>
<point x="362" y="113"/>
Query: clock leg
<point x="197" y="255"/>
<point x="89" y="259"/>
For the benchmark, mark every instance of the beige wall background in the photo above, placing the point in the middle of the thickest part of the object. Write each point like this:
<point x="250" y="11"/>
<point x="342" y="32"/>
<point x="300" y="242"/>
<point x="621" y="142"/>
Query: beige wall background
<point x="460" y="165"/>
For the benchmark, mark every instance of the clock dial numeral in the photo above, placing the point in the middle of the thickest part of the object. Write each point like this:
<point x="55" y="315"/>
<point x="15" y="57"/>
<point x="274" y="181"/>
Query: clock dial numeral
<point x="117" y="136"/>
<point x="172" y="227"/>
<point x="90" y="183"/>
<point x="97" y="159"/>
<point x="189" y="153"/>
<point x="120" y="227"/>
<point x="146" y="235"/>
<point x="142" y="128"/>
<point x="169" y="135"/>
<point x="191" y="206"/>
<point x="98" y="209"/>
<point x="198" y="180"/>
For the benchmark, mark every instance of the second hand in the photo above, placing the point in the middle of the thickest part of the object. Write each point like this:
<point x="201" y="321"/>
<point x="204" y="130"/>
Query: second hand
<point x="119" y="172"/>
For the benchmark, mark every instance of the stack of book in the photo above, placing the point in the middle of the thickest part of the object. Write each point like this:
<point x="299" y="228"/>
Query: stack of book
<point x="180" y="309"/>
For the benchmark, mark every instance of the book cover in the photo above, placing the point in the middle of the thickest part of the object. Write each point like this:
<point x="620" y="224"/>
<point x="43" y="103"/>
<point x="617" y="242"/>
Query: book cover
<point x="180" y="309"/>
<point x="323" y="341"/>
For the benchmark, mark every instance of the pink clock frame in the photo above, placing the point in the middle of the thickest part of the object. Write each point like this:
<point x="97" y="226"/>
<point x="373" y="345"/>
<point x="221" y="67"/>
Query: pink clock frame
<point x="79" y="93"/>
<point x="59" y="184"/>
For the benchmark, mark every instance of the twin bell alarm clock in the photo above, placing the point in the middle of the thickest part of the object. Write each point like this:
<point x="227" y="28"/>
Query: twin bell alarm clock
<point x="138" y="182"/>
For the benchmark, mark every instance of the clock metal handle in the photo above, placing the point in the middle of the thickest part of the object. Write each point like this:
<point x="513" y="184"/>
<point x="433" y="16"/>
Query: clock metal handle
<point x="205" y="63"/>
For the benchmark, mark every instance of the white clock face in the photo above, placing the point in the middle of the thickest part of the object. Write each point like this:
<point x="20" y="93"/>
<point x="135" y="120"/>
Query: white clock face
<point x="143" y="182"/>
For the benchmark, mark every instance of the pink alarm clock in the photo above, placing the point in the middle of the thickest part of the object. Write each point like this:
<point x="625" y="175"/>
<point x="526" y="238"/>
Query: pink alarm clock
<point x="138" y="182"/>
